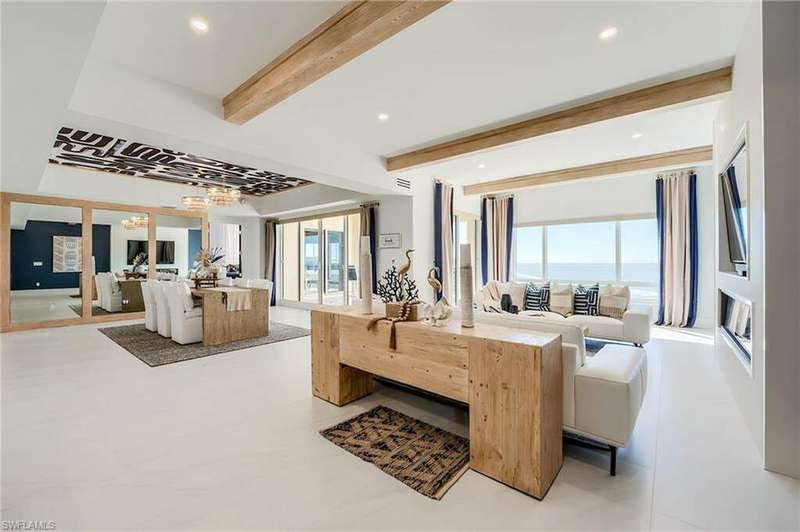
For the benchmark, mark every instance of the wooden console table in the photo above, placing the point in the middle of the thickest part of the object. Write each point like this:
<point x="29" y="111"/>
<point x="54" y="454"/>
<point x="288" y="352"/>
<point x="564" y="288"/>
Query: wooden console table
<point x="510" y="378"/>
<point x="132" y="298"/>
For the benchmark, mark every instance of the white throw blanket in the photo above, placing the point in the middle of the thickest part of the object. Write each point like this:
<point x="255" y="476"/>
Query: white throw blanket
<point x="236" y="298"/>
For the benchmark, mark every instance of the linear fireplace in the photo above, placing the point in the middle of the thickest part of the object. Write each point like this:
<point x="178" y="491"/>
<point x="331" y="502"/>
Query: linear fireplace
<point x="735" y="323"/>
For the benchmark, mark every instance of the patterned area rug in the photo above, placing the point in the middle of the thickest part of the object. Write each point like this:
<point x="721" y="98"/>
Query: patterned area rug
<point x="155" y="350"/>
<point x="421" y="456"/>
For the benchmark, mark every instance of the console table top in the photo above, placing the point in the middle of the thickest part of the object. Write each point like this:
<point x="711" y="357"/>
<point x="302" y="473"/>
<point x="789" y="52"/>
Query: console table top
<point x="487" y="331"/>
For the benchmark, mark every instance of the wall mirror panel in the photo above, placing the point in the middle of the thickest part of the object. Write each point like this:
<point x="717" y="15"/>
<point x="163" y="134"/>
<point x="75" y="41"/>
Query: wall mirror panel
<point x="68" y="261"/>
<point x="46" y="249"/>
<point x="119" y="256"/>
<point x="178" y="239"/>
<point x="735" y="323"/>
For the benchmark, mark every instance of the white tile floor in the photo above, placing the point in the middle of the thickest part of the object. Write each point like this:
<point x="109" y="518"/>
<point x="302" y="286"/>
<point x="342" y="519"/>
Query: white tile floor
<point x="94" y="439"/>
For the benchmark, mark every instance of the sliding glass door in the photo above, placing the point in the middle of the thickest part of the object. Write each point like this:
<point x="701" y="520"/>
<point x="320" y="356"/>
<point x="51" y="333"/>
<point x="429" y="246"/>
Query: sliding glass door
<point x="319" y="259"/>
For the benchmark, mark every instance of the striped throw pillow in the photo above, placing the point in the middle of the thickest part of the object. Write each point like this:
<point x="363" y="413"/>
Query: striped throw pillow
<point x="587" y="300"/>
<point x="537" y="297"/>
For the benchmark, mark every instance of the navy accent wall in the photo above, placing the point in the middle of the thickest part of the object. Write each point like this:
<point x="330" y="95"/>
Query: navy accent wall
<point x="35" y="243"/>
<point x="195" y="243"/>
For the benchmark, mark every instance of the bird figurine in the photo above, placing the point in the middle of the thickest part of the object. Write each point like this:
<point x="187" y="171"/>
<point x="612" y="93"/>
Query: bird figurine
<point x="441" y="309"/>
<point x="404" y="269"/>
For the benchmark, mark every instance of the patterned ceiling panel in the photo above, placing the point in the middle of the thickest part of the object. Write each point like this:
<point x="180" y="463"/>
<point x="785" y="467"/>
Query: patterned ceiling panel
<point x="84" y="149"/>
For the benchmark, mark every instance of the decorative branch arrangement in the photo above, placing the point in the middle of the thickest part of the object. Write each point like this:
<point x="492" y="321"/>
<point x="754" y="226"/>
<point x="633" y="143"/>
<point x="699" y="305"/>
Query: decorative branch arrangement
<point x="139" y="260"/>
<point x="206" y="259"/>
<point x="394" y="288"/>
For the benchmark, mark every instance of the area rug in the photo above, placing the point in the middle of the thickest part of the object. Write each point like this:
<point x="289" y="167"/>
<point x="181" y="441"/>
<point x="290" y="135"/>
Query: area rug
<point x="425" y="458"/>
<point x="96" y="311"/>
<point x="155" y="350"/>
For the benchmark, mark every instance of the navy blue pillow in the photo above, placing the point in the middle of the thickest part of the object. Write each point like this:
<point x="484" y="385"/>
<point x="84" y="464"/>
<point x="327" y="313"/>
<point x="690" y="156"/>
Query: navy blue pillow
<point x="537" y="297"/>
<point x="587" y="300"/>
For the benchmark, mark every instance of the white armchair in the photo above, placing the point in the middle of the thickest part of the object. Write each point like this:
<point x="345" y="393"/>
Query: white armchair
<point x="164" y="325"/>
<point x="108" y="292"/>
<point x="187" y="320"/>
<point x="150" y="305"/>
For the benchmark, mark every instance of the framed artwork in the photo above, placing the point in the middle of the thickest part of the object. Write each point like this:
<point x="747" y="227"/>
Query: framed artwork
<point x="390" y="240"/>
<point x="66" y="254"/>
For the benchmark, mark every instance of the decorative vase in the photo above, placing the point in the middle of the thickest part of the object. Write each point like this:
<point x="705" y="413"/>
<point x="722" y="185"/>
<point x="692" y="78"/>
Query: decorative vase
<point x="365" y="265"/>
<point x="467" y="286"/>
<point x="393" y="310"/>
<point x="505" y="302"/>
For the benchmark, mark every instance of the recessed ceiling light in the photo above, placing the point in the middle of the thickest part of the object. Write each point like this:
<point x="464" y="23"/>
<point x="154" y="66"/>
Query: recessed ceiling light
<point x="383" y="117"/>
<point x="481" y="166"/>
<point x="608" y="33"/>
<point x="198" y="25"/>
<point x="636" y="136"/>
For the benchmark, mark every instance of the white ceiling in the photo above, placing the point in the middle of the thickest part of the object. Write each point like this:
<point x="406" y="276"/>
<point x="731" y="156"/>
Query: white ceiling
<point x="466" y="66"/>
<point x="154" y="38"/>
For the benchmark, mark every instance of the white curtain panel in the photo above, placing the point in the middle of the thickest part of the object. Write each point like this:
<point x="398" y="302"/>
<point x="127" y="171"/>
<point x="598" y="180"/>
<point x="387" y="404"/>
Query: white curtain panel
<point x="225" y="236"/>
<point x="447" y="241"/>
<point x="677" y="250"/>
<point x="497" y="239"/>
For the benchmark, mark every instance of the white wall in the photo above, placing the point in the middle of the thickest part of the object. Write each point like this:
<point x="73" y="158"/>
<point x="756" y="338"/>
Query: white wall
<point x="744" y="106"/>
<point x="622" y="196"/>
<point x="782" y="243"/>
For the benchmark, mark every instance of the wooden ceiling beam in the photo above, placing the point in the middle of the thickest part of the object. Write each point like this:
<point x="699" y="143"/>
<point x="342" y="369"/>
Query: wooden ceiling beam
<point x="700" y="154"/>
<point x="711" y="83"/>
<point x="354" y="29"/>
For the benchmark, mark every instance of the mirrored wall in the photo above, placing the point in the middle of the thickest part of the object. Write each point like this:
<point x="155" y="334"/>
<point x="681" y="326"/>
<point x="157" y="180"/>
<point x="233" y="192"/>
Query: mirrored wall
<point x="46" y="248"/>
<point x="119" y="261"/>
<point x="74" y="261"/>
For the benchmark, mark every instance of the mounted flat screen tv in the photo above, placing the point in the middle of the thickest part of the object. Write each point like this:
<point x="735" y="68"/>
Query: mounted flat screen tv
<point x="733" y="199"/>
<point x="165" y="250"/>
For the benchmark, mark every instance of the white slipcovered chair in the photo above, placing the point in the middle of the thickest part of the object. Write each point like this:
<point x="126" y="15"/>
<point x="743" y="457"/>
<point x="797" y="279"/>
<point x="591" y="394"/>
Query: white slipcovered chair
<point x="244" y="283"/>
<point x="186" y="319"/>
<point x="108" y="292"/>
<point x="264" y="284"/>
<point x="149" y="288"/>
<point x="225" y="281"/>
<point x="162" y="308"/>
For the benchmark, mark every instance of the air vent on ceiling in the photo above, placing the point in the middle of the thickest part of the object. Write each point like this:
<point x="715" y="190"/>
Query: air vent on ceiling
<point x="403" y="183"/>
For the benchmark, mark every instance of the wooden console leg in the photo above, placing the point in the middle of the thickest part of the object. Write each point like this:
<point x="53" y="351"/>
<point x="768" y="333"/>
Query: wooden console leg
<point x="515" y="413"/>
<point x="330" y="380"/>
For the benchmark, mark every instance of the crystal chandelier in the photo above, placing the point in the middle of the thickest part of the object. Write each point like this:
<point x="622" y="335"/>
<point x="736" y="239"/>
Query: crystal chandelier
<point x="196" y="203"/>
<point x="224" y="197"/>
<point x="135" y="222"/>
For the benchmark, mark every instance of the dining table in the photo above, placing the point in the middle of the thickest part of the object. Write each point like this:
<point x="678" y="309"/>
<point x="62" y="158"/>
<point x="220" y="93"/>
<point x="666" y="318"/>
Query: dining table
<point x="233" y="313"/>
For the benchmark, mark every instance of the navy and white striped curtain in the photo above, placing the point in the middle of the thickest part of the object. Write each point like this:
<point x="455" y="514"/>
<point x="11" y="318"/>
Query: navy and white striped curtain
<point x="443" y="221"/>
<point x="271" y="246"/>
<point x="497" y="226"/>
<point x="676" y="212"/>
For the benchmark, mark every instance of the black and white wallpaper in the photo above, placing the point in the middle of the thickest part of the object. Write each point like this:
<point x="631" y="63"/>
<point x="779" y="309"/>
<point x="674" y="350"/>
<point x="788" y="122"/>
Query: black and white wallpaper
<point x="94" y="151"/>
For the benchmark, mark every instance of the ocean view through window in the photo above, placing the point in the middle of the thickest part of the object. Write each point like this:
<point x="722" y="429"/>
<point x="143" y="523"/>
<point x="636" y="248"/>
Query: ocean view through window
<point x="607" y="251"/>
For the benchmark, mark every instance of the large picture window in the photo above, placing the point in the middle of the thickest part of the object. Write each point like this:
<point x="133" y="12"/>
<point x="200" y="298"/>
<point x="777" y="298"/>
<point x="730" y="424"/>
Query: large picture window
<point x="607" y="251"/>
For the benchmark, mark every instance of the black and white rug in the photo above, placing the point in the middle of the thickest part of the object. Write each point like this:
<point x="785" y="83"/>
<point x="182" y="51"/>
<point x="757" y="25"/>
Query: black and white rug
<point x="155" y="350"/>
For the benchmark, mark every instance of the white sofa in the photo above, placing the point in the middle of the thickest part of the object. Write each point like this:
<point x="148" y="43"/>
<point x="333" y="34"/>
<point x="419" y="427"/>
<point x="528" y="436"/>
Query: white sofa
<point x="602" y="393"/>
<point x="634" y="326"/>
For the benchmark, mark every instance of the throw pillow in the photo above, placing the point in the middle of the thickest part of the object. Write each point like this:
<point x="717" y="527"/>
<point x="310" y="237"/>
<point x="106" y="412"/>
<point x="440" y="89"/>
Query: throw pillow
<point x="587" y="300"/>
<point x="561" y="299"/>
<point x="537" y="297"/>
<point x="614" y="301"/>
<point x="517" y="293"/>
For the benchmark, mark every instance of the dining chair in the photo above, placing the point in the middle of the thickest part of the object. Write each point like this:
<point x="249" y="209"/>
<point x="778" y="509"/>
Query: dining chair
<point x="186" y="319"/>
<point x="149" y="288"/>
<point x="162" y="309"/>
<point x="242" y="282"/>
